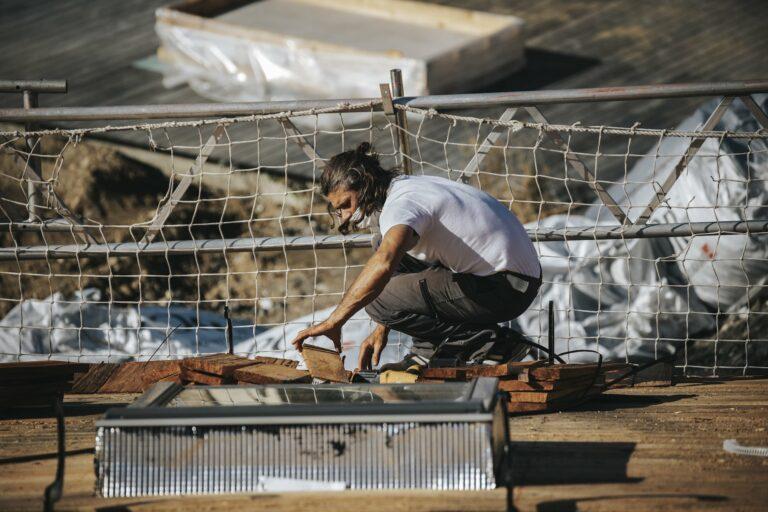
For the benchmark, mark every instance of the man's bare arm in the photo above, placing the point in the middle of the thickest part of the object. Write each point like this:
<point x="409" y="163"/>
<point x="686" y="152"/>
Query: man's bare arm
<point x="368" y="285"/>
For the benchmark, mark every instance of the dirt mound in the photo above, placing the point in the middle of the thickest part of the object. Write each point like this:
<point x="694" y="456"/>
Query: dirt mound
<point x="116" y="194"/>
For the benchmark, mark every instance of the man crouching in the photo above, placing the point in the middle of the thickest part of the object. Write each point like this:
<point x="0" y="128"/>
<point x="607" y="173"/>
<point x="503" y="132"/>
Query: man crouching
<point x="451" y="264"/>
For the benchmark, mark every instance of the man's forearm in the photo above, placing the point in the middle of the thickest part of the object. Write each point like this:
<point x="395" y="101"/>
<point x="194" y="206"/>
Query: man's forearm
<point x="364" y="289"/>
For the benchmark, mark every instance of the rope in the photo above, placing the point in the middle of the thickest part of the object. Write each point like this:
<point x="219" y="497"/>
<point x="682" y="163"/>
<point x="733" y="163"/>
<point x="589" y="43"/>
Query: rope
<point x="515" y="126"/>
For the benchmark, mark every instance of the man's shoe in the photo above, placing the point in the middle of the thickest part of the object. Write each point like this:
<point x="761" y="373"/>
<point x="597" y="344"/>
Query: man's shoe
<point x="511" y="346"/>
<point x="409" y="362"/>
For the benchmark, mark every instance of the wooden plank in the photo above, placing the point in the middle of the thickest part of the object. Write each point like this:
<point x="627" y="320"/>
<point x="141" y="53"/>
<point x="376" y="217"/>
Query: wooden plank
<point x="135" y="377"/>
<point x="38" y="370"/>
<point x="92" y="380"/>
<point x="554" y="385"/>
<point x="545" y="396"/>
<point x="523" y="407"/>
<point x="290" y="363"/>
<point x="217" y="364"/>
<point x="397" y="377"/>
<point x="271" y="374"/>
<point x="510" y="369"/>
<point x="445" y="373"/>
<point x="565" y="371"/>
<point x="324" y="364"/>
<point x="20" y="392"/>
<point x="188" y="375"/>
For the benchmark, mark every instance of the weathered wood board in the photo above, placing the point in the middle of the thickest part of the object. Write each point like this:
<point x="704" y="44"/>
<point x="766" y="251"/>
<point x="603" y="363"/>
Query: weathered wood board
<point x="217" y="364"/>
<point x="325" y="364"/>
<point x="189" y="375"/>
<point x="271" y="374"/>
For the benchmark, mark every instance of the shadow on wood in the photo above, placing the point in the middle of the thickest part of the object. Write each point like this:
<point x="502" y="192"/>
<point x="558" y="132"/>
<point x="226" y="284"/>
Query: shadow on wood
<point x="542" y="67"/>
<point x="614" y="401"/>
<point x="71" y="409"/>
<point x="551" y="463"/>
<point x="573" y="505"/>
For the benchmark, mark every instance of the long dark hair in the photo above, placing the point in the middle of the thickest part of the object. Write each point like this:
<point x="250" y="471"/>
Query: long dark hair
<point x="358" y="170"/>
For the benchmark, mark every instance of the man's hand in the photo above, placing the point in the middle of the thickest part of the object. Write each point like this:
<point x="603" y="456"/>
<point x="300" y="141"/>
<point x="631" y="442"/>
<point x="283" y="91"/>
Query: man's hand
<point x="327" y="328"/>
<point x="372" y="347"/>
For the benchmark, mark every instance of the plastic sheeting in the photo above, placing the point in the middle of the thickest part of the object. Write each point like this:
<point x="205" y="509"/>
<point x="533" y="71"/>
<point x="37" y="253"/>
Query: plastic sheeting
<point x="85" y="328"/>
<point x="643" y="298"/>
<point x="226" y="68"/>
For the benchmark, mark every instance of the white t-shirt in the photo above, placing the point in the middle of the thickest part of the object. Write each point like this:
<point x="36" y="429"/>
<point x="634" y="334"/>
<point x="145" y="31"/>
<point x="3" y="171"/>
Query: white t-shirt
<point x="459" y="226"/>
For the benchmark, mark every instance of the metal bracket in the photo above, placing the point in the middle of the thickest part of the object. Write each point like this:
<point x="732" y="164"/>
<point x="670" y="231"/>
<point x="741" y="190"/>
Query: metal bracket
<point x="575" y="163"/>
<point x="693" y="147"/>
<point x="298" y="137"/>
<point x="477" y="159"/>
<point x="757" y="112"/>
<point x="386" y="100"/>
<point x="401" y="119"/>
<point x="32" y="165"/>
<point x="61" y="208"/>
<point x="186" y="180"/>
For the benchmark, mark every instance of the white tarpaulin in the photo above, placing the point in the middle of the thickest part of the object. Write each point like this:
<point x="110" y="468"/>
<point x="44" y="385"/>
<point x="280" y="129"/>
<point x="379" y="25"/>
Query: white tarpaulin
<point x="87" y="329"/>
<point x="645" y="297"/>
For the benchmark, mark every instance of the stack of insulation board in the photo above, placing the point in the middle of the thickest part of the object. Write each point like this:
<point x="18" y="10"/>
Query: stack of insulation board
<point x="308" y="49"/>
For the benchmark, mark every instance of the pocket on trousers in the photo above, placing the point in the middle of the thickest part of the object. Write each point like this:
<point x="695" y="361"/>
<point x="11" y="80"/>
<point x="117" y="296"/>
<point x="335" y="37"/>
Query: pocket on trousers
<point x="427" y="297"/>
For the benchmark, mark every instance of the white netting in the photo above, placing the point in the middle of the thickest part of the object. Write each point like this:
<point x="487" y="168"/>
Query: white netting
<point x="165" y="244"/>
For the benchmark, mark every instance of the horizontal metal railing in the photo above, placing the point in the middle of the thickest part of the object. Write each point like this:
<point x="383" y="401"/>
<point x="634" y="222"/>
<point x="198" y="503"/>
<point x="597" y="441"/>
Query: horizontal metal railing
<point x="298" y="243"/>
<point x="46" y="86"/>
<point x="440" y="102"/>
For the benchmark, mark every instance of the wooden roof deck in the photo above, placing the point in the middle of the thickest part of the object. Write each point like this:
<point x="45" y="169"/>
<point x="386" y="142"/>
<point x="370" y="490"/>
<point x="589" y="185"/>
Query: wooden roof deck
<point x="654" y="449"/>
<point x="576" y="43"/>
